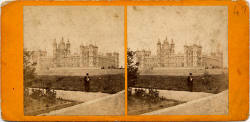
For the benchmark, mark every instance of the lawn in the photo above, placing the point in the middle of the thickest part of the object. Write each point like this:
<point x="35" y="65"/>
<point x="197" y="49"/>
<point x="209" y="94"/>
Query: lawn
<point x="102" y="83"/>
<point x="33" y="107"/>
<point x="210" y="83"/>
<point x="138" y="105"/>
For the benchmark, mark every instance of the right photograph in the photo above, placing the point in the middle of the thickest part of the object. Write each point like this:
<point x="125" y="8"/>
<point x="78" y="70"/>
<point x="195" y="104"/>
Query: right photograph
<point x="177" y="60"/>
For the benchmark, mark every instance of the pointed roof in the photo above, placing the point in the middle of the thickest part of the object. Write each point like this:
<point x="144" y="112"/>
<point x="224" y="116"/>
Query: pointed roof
<point x="62" y="42"/>
<point x="166" y="40"/>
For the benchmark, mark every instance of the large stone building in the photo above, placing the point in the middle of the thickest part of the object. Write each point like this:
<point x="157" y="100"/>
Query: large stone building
<point x="191" y="57"/>
<point x="62" y="57"/>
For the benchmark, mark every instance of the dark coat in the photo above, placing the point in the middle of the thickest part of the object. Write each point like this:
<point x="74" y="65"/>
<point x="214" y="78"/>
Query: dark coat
<point x="87" y="80"/>
<point x="190" y="81"/>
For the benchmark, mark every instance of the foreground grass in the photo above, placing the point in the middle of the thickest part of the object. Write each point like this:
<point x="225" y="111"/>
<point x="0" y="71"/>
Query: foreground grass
<point x="210" y="83"/>
<point x="33" y="107"/>
<point x="138" y="105"/>
<point x="103" y="83"/>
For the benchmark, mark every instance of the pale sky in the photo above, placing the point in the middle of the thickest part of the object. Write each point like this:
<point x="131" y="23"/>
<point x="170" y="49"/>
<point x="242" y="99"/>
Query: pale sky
<point x="207" y="25"/>
<point x="100" y="25"/>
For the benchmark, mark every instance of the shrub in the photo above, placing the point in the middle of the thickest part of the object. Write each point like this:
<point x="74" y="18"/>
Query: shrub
<point x="152" y="96"/>
<point x="36" y="94"/>
<point x="140" y="92"/>
<point x="49" y="96"/>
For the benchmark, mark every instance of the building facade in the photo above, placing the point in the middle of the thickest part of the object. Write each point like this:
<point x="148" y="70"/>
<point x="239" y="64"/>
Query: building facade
<point x="62" y="57"/>
<point x="191" y="57"/>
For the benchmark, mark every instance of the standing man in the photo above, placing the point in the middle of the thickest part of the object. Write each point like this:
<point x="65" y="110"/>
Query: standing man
<point x="190" y="82"/>
<point x="87" y="82"/>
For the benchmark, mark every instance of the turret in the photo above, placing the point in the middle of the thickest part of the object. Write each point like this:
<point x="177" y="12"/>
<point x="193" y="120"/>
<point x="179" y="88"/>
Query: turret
<point x="159" y="42"/>
<point x="62" y="44"/>
<point x="67" y="48"/>
<point x="68" y="45"/>
<point x="172" y="47"/>
<point x="159" y="48"/>
<point x="54" y="48"/>
<point x="54" y="44"/>
<point x="186" y="55"/>
<point x="219" y="55"/>
<point x="166" y="41"/>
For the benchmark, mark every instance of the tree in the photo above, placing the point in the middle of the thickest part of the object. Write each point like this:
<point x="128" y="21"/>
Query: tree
<point x="132" y="68"/>
<point x="28" y="68"/>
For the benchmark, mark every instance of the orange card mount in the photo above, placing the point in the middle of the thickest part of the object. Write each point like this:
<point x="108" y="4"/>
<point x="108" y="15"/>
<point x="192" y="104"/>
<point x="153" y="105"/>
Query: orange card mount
<point x="74" y="60"/>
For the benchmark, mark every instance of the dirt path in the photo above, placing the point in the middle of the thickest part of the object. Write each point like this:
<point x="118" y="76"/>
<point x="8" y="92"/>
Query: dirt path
<point x="110" y="105"/>
<point x="216" y="104"/>
<point x="180" y="95"/>
<point x="79" y="96"/>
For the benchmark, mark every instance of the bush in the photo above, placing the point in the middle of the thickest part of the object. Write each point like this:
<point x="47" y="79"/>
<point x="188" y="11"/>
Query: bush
<point x="49" y="96"/>
<point x="36" y="94"/>
<point x="152" y="96"/>
<point x="140" y="92"/>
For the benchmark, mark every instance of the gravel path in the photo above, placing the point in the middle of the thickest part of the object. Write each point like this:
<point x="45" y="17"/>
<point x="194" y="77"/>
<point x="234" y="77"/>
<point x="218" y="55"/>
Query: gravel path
<point x="79" y="96"/>
<point x="216" y="104"/>
<point x="110" y="105"/>
<point x="180" y="95"/>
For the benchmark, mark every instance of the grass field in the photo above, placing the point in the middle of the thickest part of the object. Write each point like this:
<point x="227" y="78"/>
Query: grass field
<point x="137" y="105"/>
<point x="34" y="107"/>
<point x="103" y="83"/>
<point x="210" y="83"/>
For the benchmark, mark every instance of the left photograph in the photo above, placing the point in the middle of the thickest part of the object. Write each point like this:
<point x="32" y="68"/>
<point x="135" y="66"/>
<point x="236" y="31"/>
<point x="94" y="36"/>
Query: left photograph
<point x="73" y="60"/>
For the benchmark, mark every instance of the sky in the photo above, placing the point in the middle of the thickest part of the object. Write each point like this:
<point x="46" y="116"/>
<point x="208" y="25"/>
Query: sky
<point x="100" y="25"/>
<point x="204" y="25"/>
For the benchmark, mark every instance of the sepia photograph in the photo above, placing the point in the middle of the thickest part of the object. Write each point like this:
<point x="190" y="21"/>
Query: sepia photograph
<point x="73" y="60"/>
<point x="177" y="60"/>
